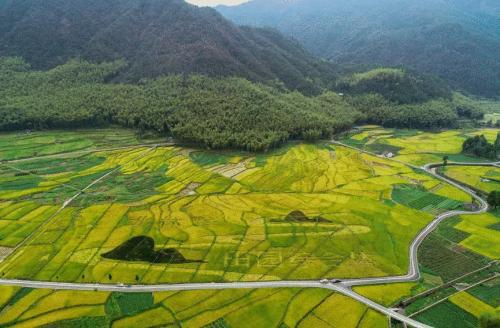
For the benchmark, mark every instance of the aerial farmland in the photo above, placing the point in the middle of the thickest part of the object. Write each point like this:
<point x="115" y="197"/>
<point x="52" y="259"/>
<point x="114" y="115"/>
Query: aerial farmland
<point x="98" y="212"/>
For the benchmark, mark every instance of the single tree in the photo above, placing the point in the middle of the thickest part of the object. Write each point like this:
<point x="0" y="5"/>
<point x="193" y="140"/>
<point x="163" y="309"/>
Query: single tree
<point x="445" y="160"/>
<point x="494" y="198"/>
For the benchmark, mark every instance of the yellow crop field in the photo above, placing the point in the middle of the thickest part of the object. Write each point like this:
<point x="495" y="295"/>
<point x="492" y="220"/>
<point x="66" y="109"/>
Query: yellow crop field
<point x="482" y="240"/>
<point x="342" y="196"/>
<point x="63" y="314"/>
<point x="372" y="319"/>
<point x="471" y="304"/>
<point x="417" y="147"/>
<point x="342" y="310"/>
<point x="6" y="293"/>
<point x="293" y="307"/>
<point x="153" y="215"/>
<point x="63" y="299"/>
<point x="451" y="192"/>
<point x="386" y="294"/>
<point x="156" y="317"/>
<point x="14" y="312"/>
<point x="486" y="179"/>
<point x="490" y="134"/>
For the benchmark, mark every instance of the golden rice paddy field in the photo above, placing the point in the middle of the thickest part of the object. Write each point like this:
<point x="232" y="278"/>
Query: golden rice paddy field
<point x="486" y="179"/>
<point x="171" y="214"/>
<point x="233" y="308"/>
<point x="417" y="147"/>
<point x="483" y="234"/>
<point x="224" y="217"/>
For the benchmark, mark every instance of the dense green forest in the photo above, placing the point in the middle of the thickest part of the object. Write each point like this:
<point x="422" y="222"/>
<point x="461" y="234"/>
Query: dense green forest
<point x="457" y="40"/>
<point x="396" y="85"/>
<point x="432" y="114"/>
<point x="156" y="38"/>
<point x="218" y="113"/>
<point x="401" y="98"/>
<point x="214" y="112"/>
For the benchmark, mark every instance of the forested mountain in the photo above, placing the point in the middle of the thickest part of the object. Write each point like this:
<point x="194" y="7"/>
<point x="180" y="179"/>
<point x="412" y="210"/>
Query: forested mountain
<point x="396" y="85"/>
<point x="214" y="112"/>
<point x="457" y="40"/>
<point x="154" y="37"/>
<point x="179" y="70"/>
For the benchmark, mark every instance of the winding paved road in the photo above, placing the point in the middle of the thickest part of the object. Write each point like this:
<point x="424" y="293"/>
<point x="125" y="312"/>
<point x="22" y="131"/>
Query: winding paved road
<point x="414" y="272"/>
<point x="341" y="286"/>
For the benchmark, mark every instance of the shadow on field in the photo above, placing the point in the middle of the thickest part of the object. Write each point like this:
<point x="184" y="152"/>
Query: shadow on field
<point x="142" y="249"/>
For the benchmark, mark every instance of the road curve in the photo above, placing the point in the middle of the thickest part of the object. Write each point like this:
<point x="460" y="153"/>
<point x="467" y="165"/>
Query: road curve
<point x="340" y="286"/>
<point x="413" y="271"/>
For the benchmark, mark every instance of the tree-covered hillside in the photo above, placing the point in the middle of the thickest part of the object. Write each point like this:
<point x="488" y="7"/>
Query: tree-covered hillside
<point x="155" y="37"/>
<point x="218" y="113"/>
<point x="457" y="40"/>
<point x="214" y="112"/>
<point x="396" y="85"/>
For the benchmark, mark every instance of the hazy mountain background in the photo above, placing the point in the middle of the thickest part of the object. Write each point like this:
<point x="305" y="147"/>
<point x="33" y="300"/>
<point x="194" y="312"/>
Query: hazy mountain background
<point x="458" y="40"/>
<point x="155" y="37"/>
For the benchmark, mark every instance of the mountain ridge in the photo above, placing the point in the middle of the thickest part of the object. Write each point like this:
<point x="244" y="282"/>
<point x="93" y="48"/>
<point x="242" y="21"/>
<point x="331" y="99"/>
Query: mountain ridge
<point x="458" y="41"/>
<point x="155" y="37"/>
